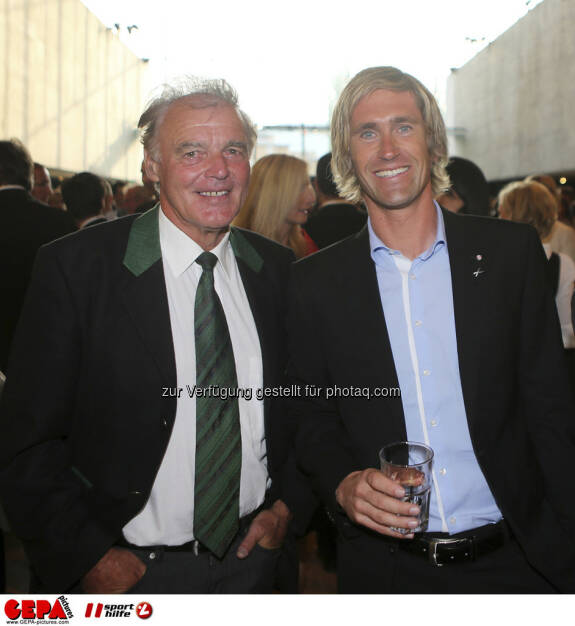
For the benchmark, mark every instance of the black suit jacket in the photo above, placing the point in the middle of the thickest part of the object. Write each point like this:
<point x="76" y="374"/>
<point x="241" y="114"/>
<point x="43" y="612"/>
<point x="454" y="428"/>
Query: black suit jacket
<point x="25" y="225"/>
<point x="517" y="400"/>
<point x="84" y="424"/>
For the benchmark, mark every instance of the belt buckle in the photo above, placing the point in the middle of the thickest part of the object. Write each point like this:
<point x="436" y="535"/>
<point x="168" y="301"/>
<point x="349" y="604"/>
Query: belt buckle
<point x="432" y="551"/>
<point x="433" y="543"/>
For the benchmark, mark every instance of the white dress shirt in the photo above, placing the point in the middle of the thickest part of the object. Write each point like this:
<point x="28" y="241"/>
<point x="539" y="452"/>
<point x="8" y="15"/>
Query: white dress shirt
<point x="167" y="518"/>
<point x="564" y="294"/>
<point x="417" y="300"/>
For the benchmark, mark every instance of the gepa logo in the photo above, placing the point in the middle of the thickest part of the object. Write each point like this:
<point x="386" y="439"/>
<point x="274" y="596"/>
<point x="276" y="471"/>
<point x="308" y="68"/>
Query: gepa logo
<point x="38" y="609"/>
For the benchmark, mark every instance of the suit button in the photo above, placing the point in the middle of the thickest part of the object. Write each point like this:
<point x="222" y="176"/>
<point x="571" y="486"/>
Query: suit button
<point x="135" y="493"/>
<point x="164" y="423"/>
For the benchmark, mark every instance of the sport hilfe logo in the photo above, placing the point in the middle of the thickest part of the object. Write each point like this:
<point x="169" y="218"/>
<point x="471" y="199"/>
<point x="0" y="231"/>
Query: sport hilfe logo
<point x="38" y="609"/>
<point x="143" y="610"/>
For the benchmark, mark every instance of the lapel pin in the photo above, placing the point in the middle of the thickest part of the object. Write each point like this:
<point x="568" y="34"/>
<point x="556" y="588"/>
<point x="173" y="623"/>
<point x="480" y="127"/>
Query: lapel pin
<point x="477" y="272"/>
<point x="478" y="257"/>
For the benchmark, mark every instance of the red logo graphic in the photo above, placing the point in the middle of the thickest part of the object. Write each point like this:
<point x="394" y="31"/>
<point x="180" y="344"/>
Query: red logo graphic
<point x="144" y="610"/>
<point x="89" y="608"/>
<point x="34" y="609"/>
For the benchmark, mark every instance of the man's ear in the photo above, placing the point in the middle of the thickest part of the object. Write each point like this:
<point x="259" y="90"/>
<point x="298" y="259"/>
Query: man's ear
<point x="152" y="167"/>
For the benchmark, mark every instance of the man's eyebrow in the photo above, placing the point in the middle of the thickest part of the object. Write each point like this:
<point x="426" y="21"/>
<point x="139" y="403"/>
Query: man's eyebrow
<point x="186" y="145"/>
<point x="237" y="144"/>
<point x="405" y="118"/>
<point x="400" y="119"/>
<point x="362" y="127"/>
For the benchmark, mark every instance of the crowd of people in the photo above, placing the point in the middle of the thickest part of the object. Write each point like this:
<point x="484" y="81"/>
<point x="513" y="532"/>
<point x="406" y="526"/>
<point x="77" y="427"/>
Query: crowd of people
<point x="181" y="395"/>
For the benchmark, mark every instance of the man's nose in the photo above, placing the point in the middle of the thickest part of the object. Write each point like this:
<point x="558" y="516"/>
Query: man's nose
<point x="217" y="166"/>
<point x="388" y="148"/>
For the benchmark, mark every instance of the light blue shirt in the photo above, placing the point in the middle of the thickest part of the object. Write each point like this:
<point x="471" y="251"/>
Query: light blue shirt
<point x="418" y="303"/>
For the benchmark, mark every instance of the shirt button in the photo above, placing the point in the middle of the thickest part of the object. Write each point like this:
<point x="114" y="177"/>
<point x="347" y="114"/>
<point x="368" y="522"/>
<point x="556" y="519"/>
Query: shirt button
<point x="434" y="423"/>
<point x="443" y="471"/>
<point x="418" y="322"/>
<point x="152" y="556"/>
<point x="426" y="372"/>
<point x="452" y="520"/>
<point x="412" y="276"/>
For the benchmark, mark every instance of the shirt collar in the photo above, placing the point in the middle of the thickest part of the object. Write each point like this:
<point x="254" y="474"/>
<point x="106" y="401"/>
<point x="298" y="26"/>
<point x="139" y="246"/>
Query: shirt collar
<point x="376" y="244"/>
<point x="180" y="251"/>
<point x="3" y="187"/>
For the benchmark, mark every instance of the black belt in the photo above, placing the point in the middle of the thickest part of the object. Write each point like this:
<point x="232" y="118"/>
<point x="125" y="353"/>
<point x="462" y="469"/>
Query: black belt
<point x="443" y="549"/>
<point x="190" y="546"/>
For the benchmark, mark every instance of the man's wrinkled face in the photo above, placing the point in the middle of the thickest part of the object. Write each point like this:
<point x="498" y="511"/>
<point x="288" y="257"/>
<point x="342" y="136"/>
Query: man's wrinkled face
<point x="389" y="150"/>
<point x="202" y="164"/>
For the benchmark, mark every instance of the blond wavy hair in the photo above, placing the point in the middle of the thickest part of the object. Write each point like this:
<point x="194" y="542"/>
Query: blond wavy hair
<point x="529" y="202"/>
<point x="363" y="84"/>
<point x="275" y="187"/>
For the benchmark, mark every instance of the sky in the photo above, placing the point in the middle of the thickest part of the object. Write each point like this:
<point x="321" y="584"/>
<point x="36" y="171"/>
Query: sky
<point x="288" y="61"/>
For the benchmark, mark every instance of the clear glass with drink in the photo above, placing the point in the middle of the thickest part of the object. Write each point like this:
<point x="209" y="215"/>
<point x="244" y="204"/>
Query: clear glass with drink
<point x="410" y="464"/>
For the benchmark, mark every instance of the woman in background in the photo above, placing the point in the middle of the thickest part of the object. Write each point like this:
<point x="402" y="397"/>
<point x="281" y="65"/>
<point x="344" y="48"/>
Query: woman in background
<point x="279" y="199"/>
<point x="532" y="203"/>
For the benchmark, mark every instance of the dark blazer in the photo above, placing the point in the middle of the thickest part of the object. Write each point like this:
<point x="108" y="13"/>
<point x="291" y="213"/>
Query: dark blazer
<point x="83" y="422"/>
<point x="519" y="410"/>
<point x="25" y="225"/>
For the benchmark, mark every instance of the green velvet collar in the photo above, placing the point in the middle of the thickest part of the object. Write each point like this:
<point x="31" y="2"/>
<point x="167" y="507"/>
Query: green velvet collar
<point x="143" y="249"/>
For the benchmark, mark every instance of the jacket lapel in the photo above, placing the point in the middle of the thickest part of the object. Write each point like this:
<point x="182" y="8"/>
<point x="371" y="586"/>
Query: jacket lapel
<point x="469" y="278"/>
<point x="145" y="293"/>
<point x="365" y="318"/>
<point x="251" y="267"/>
<point x="264" y="310"/>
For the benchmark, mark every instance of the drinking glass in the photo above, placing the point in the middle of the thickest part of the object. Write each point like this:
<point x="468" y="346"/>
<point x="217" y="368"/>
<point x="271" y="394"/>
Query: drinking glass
<point x="410" y="464"/>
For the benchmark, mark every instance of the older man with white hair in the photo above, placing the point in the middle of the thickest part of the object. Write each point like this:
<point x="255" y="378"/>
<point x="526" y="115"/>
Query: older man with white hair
<point x="145" y="458"/>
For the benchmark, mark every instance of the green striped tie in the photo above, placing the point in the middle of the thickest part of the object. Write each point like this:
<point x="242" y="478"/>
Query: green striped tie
<point x="218" y="437"/>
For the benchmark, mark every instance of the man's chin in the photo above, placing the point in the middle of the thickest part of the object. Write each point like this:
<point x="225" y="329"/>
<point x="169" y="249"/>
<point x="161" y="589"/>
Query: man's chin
<point x="391" y="204"/>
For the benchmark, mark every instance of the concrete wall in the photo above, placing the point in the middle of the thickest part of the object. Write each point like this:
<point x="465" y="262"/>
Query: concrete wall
<point x="68" y="88"/>
<point x="516" y="98"/>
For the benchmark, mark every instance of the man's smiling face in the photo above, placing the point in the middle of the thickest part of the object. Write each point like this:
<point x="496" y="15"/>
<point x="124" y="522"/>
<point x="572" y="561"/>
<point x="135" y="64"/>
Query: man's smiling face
<point x="389" y="150"/>
<point x="201" y="161"/>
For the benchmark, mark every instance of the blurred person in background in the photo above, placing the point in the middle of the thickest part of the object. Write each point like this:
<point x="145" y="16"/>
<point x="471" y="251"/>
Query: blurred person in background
<point x="335" y="218"/>
<point x="84" y="197"/>
<point x="25" y="225"/>
<point x="119" y="189"/>
<point x="42" y="188"/>
<point x="567" y="200"/>
<point x="280" y="197"/>
<point x="532" y="203"/>
<point x="56" y="200"/>
<point x="110" y="211"/>
<point x="469" y="192"/>
<point x="134" y="197"/>
<point x="562" y="237"/>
